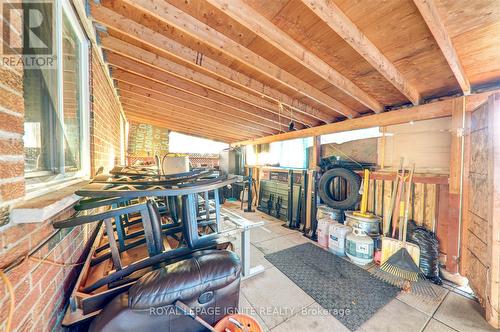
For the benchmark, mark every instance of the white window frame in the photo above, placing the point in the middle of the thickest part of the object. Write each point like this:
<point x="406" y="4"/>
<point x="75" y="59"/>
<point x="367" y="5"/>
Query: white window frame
<point x="63" y="178"/>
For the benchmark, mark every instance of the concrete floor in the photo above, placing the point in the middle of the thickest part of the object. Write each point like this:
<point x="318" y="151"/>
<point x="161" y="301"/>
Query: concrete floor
<point x="280" y="305"/>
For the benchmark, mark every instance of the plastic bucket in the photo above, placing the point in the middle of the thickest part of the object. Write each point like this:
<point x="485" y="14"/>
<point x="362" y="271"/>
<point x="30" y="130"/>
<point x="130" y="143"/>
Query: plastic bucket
<point x="322" y="231"/>
<point x="336" y="238"/>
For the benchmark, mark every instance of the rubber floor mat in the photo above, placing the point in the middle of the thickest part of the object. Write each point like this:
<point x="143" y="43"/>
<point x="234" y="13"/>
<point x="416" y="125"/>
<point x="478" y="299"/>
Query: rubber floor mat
<point x="349" y="293"/>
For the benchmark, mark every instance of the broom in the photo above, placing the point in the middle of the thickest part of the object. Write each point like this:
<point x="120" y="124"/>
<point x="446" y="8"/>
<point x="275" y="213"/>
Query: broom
<point x="400" y="269"/>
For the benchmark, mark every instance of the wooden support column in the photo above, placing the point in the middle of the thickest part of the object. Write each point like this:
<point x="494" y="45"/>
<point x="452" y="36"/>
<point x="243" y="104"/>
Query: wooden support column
<point x="465" y="192"/>
<point x="455" y="199"/>
<point x="480" y="250"/>
<point x="315" y="160"/>
<point x="493" y="254"/>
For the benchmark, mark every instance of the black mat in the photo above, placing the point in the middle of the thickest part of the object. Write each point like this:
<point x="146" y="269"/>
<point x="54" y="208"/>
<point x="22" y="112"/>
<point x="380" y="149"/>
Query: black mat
<point x="351" y="294"/>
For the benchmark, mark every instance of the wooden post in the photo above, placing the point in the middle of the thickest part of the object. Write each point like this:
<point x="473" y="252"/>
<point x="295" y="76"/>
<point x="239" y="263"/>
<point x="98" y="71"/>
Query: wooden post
<point x="315" y="160"/>
<point x="465" y="192"/>
<point x="455" y="199"/>
<point x="493" y="255"/>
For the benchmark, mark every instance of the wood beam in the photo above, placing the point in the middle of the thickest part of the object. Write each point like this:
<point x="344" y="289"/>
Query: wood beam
<point x="430" y="14"/>
<point x="193" y="108"/>
<point x="254" y="21"/>
<point x="161" y="63"/>
<point x="179" y="112"/>
<point x="329" y="13"/>
<point x="130" y="66"/>
<point x="186" y="24"/>
<point x="437" y="109"/>
<point x="178" y="124"/>
<point x="427" y="111"/>
<point x="166" y="47"/>
<point x="188" y="114"/>
<point x="193" y="128"/>
<point x="190" y="109"/>
<point x="180" y="129"/>
<point x="139" y="110"/>
<point x="166" y="94"/>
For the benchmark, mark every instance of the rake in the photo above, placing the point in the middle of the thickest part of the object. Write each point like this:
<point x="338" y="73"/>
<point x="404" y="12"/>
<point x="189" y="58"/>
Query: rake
<point x="400" y="269"/>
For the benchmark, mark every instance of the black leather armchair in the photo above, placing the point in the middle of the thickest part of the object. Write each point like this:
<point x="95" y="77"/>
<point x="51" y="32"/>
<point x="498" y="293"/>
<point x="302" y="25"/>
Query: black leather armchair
<point x="208" y="282"/>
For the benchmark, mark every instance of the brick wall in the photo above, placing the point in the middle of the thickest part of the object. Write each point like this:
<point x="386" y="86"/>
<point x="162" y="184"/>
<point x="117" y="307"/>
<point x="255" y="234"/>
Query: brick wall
<point x="105" y="118"/>
<point x="41" y="289"/>
<point x="11" y="134"/>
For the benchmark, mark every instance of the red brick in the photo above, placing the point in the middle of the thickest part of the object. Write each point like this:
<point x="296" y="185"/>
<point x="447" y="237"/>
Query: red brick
<point x="10" y="191"/>
<point x="20" y="249"/>
<point x="37" y="274"/>
<point x="42" y="233"/>
<point x="24" y="308"/>
<point x="20" y="273"/>
<point x="50" y="276"/>
<point x="22" y="289"/>
<point x="17" y="232"/>
<point x="27" y="325"/>
<point x="45" y="302"/>
<point x="4" y="307"/>
<point x="11" y="123"/>
<point x="11" y="79"/>
<point x="11" y="101"/>
<point x="3" y="293"/>
<point x="11" y="169"/>
<point x="11" y="147"/>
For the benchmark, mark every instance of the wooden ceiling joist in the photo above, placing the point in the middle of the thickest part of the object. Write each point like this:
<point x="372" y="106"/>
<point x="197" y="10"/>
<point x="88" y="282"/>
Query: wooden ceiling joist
<point x="182" y="113"/>
<point x="174" y="18"/>
<point x="166" y="94"/>
<point x="146" y="97"/>
<point x="252" y="20"/>
<point x="151" y="83"/>
<point x="180" y="128"/>
<point x="180" y="70"/>
<point x="241" y="70"/>
<point x="164" y="46"/>
<point x="430" y="14"/>
<point x="193" y="109"/>
<point x="329" y="13"/>
<point x="189" y="122"/>
<point x="190" y="128"/>
<point x="126" y="64"/>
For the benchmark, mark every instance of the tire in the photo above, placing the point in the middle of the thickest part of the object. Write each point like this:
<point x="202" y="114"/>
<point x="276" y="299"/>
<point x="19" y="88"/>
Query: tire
<point x="353" y="181"/>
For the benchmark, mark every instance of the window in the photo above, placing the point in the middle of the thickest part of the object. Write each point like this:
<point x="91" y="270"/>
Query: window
<point x="56" y="125"/>
<point x="351" y="135"/>
<point x="287" y="154"/>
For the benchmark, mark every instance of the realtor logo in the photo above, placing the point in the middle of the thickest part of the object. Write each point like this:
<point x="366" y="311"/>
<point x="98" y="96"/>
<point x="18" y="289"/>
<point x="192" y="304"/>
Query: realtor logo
<point x="28" y="33"/>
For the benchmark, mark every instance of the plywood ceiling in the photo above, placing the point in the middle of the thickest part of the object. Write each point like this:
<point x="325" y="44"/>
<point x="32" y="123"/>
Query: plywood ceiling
<point x="239" y="69"/>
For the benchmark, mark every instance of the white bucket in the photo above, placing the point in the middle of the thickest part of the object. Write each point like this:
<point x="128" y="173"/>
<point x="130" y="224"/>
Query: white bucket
<point x="322" y="231"/>
<point x="324" y="212"/>
<point x="175" y="164"/>
<point x="336" y="238"/>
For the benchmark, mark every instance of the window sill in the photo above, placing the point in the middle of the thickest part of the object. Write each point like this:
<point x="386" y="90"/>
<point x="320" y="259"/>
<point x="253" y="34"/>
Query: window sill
<point x="44" y="207"/>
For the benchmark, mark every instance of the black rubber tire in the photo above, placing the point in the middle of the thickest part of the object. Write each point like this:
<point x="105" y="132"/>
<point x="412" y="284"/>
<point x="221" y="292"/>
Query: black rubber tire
<point x="353" y="182"/>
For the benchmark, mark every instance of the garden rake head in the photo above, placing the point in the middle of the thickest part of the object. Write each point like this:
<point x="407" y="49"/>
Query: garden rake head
<point x="401" y="271"/>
